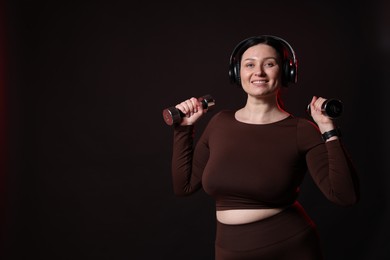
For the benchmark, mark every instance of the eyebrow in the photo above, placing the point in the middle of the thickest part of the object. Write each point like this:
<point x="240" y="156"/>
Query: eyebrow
<point x="266" y="58"/>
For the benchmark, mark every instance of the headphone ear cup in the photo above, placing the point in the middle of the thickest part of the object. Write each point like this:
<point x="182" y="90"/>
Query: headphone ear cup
<point x="293" y="73"/>
<point x="289" y="73"/>
<point x="237" y="74"/>
<point x="234" y="73"/>
<point x="232" y="77"/>
<point x="286" y="73"/>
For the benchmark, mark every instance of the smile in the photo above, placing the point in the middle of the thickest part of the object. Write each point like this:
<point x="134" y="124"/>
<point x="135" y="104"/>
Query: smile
<point x="259" y="81"/>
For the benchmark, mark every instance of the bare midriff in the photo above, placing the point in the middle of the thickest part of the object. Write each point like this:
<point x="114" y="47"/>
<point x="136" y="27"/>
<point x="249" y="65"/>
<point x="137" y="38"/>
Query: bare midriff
<point x="244" y="216"/>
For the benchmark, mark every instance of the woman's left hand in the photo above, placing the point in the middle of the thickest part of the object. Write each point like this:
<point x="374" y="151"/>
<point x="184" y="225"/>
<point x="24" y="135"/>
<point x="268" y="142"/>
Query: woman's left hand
<point x="324" y="122"/>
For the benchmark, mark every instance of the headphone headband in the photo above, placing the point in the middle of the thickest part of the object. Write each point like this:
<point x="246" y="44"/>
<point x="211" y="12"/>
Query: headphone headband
<point x="290" y="65"/>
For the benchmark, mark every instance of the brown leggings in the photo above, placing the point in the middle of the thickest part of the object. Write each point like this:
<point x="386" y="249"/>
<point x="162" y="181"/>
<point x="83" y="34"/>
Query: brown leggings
<point x="288" y="235"/>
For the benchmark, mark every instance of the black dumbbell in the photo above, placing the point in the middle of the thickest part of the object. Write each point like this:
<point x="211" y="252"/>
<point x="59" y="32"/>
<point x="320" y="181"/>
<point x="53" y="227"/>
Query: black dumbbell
<point x="172" y="115"/>
<point x="333" y="108"/>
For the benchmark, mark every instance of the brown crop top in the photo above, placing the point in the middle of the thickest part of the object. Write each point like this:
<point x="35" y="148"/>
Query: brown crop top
<point x="249" y="166"/>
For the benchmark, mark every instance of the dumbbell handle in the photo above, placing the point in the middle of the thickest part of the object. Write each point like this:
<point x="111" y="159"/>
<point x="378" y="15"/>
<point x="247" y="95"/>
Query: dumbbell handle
<point x="172" y="115"/>
<point x="332" y="108"/>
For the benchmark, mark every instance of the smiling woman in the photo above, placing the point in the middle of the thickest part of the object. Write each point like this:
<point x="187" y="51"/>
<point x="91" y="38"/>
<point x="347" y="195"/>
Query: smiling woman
<point x="253" y="160"/>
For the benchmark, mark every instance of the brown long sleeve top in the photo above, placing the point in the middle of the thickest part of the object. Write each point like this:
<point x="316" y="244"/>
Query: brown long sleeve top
<point x="250" y="166"/>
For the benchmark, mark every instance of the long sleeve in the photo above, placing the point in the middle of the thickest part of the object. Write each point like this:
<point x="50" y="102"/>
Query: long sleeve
<point x="188" y="160"/>
<point x="330" y="167"/>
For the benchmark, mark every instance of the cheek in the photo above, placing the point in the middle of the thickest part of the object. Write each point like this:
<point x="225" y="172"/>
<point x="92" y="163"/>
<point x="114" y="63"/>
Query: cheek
<point x="244" y="74"/>
<point x="276" y="74"/>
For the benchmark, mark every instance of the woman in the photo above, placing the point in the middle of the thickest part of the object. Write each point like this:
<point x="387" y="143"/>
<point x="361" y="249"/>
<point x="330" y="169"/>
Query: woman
<point x="253" y="160"/>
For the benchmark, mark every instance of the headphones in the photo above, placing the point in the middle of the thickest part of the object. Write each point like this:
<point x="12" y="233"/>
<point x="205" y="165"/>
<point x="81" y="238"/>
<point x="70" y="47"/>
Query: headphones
<point x="289" y="66"/>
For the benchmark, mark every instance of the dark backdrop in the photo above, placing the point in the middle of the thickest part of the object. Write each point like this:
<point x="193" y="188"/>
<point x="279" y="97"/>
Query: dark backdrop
<point x="88" y="168"/>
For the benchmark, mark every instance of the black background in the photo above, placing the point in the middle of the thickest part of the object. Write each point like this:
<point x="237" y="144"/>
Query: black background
<point x="89" y="152"/>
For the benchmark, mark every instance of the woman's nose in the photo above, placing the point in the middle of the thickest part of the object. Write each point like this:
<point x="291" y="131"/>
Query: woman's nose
<point x="260" y="72"/>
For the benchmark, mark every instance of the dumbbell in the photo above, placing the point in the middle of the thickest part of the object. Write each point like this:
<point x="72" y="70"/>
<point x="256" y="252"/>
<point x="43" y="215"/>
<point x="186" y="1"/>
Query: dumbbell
<point x="172" y="115"/>
<point x="332" y="108"/>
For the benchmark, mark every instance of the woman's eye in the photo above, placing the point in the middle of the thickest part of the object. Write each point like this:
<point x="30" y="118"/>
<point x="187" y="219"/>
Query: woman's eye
<point x="269" y="64"/>
<point x="249" y="65"/>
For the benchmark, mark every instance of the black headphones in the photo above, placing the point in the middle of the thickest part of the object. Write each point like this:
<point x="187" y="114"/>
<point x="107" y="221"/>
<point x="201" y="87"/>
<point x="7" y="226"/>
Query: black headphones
<point x="290" y="65"/>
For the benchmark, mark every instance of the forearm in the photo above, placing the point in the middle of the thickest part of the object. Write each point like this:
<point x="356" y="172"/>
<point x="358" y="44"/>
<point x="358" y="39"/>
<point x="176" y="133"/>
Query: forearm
<point x="184" y="182"/>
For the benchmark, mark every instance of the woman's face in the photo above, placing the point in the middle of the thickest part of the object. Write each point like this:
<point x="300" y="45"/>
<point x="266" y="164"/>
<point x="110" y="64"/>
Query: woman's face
<point x="260" y="71"/>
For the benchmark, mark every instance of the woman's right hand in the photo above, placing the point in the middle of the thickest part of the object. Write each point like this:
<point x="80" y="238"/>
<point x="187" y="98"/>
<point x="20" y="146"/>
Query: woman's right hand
<point x="193" y="110"/>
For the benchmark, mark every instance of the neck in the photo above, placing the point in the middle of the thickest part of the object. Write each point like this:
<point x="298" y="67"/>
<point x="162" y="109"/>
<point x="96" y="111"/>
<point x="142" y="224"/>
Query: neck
<point x="261" y="111"/>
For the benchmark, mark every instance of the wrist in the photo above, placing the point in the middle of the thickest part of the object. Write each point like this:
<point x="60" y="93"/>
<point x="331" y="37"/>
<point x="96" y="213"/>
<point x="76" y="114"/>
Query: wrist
<point x="331" y="134"/>
<point x="326" y="127"/>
